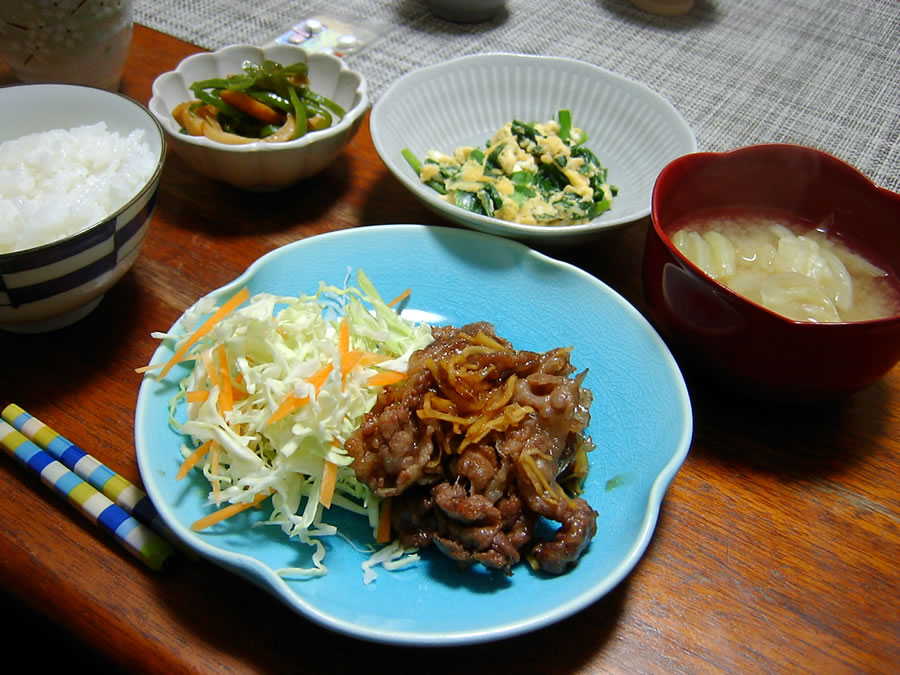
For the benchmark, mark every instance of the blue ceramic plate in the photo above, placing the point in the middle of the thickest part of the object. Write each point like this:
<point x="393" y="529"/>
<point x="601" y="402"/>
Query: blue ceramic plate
<point x="641" y="425"/>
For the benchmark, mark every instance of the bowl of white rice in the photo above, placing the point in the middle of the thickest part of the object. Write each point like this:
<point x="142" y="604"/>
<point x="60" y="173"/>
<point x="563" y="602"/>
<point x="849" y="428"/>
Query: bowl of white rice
<point x="79" y="172"/>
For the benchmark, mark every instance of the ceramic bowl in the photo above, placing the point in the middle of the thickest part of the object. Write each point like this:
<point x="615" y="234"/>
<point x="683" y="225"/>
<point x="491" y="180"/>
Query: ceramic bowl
<point x="465" y="11"/>
<point x="716" y="331"/>
<point x="261" y="166"/>
<point x="634" y="131"/>
<point x="54" y="284"/>
<point x="665" y="7"/>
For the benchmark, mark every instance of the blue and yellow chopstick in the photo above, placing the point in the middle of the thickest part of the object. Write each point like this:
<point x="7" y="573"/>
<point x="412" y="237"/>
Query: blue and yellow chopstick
<point x="138" y="539"/>
<point x="129" y="497"/>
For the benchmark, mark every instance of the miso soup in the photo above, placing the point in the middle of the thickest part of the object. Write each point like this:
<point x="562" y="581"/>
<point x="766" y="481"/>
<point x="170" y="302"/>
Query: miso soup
<point x="788" y="266"/>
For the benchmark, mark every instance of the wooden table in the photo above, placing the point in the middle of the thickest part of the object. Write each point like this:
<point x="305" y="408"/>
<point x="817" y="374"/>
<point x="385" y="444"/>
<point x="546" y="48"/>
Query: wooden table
<point x="776" y="550"/>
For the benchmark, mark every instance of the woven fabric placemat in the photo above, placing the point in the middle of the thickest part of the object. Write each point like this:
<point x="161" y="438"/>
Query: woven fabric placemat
<point x="822" y="73"/>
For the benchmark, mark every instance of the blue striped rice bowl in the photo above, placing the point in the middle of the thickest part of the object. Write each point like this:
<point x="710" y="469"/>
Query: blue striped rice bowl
<point x="53" y="285"/>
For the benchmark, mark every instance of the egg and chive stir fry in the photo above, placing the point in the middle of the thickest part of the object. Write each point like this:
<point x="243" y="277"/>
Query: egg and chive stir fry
<point x="267" y="101"/>
<point x="535" y="174"/>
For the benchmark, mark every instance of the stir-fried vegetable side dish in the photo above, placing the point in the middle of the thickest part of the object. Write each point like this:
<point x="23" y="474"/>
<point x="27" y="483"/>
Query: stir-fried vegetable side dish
<point x="535" y="174"/>
<point x="277" y="386"/>
<point x="438" y="435"/>
<point x="268" y="102"/>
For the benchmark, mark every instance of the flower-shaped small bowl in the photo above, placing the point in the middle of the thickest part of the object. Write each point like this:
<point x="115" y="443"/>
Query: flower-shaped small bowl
<point x="262" y="166"/>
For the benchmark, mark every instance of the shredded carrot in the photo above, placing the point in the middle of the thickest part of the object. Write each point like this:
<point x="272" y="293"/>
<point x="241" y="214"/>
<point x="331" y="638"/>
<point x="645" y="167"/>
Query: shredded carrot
<point x="154" y="366"/>
<point x="349" y="360"/>
<point x="292" y="403"/>
<point x="352" y="358"/>
<point x="228" y="307"/>
<point x="368" y="358"/>
<point x="329" y="479"/>
<point x="238" y="392"/>
<point x="344" y="336"/>
<point x="227" y="512"/>
<point x="400" y="298"/>
<point x="288" y="405"/>
<point x="383" y="535"/>
<point x="385" y="378"/>
<point x="192" y="460"/>
<point x="226" y="395"/>
<point x="196" y="396"/>
<point x="148" y="367"/>
<point x="318" y="378"/>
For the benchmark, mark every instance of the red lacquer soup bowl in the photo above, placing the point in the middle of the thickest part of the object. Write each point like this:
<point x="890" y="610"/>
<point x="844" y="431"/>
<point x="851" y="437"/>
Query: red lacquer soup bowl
<point x="716" y="331"/>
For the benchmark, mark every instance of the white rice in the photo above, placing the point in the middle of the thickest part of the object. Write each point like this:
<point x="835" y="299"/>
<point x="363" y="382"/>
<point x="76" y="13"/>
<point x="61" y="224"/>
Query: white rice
<point x="56" y="183"/>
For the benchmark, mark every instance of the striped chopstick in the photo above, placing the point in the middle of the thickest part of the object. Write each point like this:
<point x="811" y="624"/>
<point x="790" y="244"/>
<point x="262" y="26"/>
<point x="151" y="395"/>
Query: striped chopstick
<point x="118" y="489"/>
<point x="138" y="539"/>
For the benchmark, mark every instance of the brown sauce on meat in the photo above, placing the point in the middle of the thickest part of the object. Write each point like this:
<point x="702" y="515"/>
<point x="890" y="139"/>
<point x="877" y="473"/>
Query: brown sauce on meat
<point x="474" y="446"/>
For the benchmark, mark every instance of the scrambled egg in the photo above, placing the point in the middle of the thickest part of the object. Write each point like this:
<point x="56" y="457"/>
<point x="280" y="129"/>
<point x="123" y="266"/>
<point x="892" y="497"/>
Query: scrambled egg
<point x="527" y="173"/>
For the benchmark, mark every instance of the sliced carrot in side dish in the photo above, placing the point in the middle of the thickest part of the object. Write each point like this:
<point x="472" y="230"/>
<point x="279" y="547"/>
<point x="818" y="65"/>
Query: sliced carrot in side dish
<point x="226" y="512"/>
<point x="238" y="298"/>
<point x="385" y="378"/>
<point x="252" y="107"/>
<point x="192" y="460"/>
<point x="400" y="298"/>
<point x="383" y="535"/>
<point x="329" y="479"/>
<point x="226" y="395"/>
<point x="196" y="396"/>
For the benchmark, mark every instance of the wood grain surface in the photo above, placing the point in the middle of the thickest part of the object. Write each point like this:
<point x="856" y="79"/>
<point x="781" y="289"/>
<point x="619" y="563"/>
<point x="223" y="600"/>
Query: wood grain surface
<point x="776" y="550"/>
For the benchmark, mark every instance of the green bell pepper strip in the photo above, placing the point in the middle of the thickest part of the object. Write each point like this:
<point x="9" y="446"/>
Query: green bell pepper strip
<point x="284" y="88"/>
<point x="310" y="95"/>
<point x="234" y="82"/>
<point x="271" y="99"/>
<point x="299" y="113"/>
<point x="313" y="110"/>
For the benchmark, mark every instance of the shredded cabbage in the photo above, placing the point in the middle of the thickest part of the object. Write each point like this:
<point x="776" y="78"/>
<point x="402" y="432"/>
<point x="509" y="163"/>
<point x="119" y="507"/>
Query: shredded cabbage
<point x="272" y="344"/>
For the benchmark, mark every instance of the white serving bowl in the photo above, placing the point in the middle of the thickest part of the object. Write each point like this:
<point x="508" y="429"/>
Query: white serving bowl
<point x="633" y="131"/>
<point x="53" y="285"/>
<point x="261" y="166"/>
<point x="465" y="11"/>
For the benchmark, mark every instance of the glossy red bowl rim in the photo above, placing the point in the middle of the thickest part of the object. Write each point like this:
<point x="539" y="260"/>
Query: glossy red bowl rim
<point x="692" y="160"/>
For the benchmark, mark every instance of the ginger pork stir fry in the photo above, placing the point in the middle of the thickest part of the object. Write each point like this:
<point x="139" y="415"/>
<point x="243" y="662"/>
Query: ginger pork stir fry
<point x="476" y="445"/>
